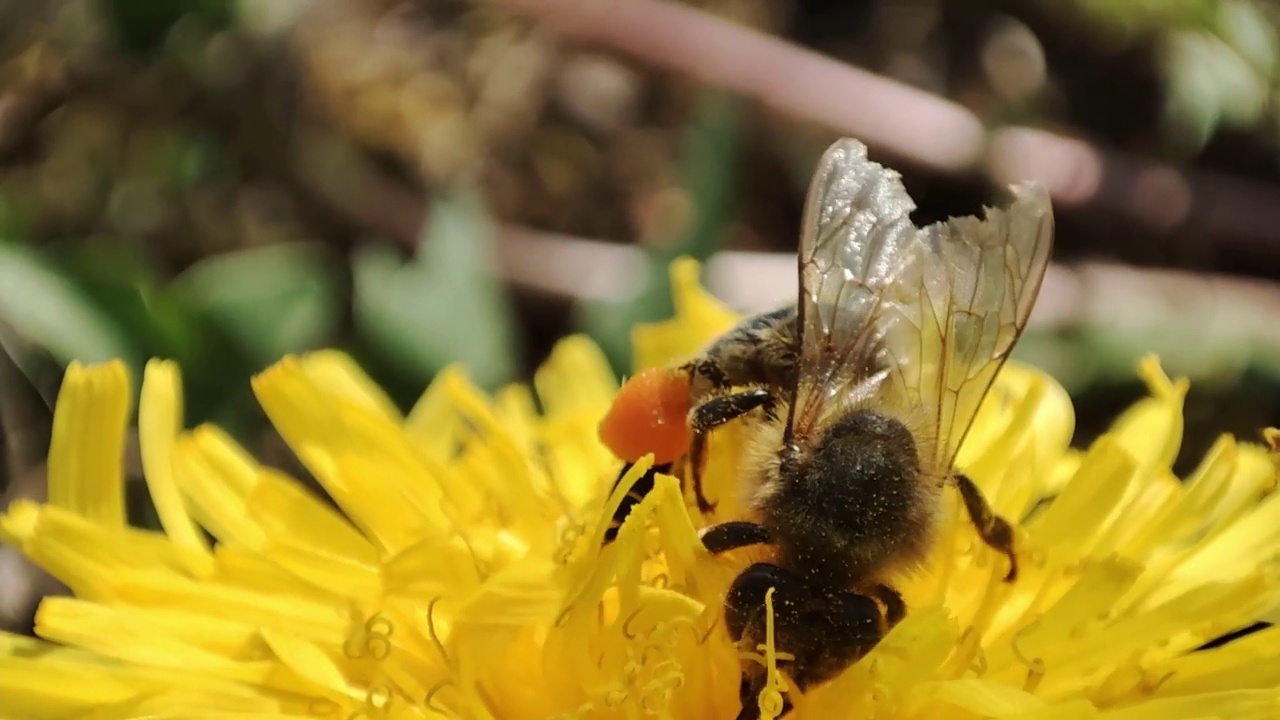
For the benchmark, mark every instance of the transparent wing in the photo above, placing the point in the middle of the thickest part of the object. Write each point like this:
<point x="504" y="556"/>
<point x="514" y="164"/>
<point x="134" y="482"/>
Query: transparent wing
<point x="857" y="242"/>
<point x="919" y="318"/>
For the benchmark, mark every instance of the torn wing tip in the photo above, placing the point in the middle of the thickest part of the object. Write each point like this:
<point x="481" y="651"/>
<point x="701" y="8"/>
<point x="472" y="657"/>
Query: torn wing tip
<point x="1032" y="196"/>
<point x="847" y="146"/>
<point x="849" y="157"/>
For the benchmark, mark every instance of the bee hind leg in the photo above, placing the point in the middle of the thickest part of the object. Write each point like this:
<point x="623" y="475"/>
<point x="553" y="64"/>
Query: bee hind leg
<point x="733" y="535"/>
<point x="994" y="530"/>
<point x="822" y="630"/>
<point x="895" y="608"/>
<point x="709" y="416"/>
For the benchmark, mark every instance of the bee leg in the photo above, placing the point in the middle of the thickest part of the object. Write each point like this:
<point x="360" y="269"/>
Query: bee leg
<point x="642" y="487"/>
<point x="733" y="535"/>
<point x="711" y="415"/>
<point x="824" y="629"/>
<point x="697" y="448"/>
<point x="994" y="530"/>
<point x="894" y="607"/>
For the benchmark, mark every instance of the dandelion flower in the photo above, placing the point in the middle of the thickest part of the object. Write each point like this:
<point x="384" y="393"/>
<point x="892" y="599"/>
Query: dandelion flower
<point x="454" y="567"/>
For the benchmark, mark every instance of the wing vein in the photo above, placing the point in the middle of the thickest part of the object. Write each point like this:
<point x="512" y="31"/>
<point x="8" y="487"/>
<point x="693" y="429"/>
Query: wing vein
<point x="907" y="319"/>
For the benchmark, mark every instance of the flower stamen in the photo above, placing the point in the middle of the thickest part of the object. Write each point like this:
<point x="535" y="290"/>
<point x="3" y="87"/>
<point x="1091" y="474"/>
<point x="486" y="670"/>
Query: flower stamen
<point x="626" y="624"/>
<point x="770" y="699"/>
<point x="434" y="635"/>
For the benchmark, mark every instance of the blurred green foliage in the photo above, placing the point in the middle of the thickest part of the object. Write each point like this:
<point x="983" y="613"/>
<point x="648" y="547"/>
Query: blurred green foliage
<point x="443" y="307"/>
<point x="268" y="301"/>
<point x="710" y="146"/>
<point x="143" y="25"/>
<point x="1220" y="58"/>
<point x="42" y="302"/>
<point x="194" y="188"/>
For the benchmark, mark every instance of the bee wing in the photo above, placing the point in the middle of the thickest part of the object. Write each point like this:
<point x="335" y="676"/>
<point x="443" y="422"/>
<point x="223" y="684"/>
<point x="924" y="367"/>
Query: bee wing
<point x="919" y="318"/>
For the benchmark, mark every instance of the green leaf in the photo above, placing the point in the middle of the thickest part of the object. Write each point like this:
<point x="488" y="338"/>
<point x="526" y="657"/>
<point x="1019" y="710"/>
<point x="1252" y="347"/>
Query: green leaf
<point x="442" y="307"/>
<point x="120" y="284"/>
<point x="15" y="201"/>
<point x="49" y="309"/>
<point x="1248" y="31"/>
<point x="1193" y="103"/>
<point x="269" y="301"/>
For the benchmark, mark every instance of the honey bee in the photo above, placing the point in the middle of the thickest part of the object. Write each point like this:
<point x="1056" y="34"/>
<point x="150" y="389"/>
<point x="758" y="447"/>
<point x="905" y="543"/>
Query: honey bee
<point x="855" y="401"/>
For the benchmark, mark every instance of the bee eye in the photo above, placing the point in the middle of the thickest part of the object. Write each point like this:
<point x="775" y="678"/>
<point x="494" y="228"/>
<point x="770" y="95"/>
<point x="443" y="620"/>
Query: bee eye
<point x="649" y="415"/>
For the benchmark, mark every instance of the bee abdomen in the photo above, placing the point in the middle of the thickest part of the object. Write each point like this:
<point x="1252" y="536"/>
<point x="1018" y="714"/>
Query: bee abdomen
<point x="856" y="505"/>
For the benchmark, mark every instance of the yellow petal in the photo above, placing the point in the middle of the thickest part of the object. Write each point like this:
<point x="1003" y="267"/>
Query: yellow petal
<point x="575" y="387"/>
<point x="159" y="422"/>
<point x="356" y="453"/>
<point x="86" y="468"/>
<point x="1089" y="502"/>
<point x="1272" y="437"/>
<point x="88" y="557"/>
<point x="292" y="516"/>
<point x="215" y="480"/>
<point x="342" y="378"/>
<point x="433" y="425"/>
<point x="1241" y="549"/>
<point x="462" y="572"/>
<point x="1151" y="430"/>
<point x="699" y="318"/>
<point x="310" y="662"/>
<point x="1241" y="705"/>
<point x="515" y="595"/>
<point x="41" y="679"/>
<point x="1249" y="662"/>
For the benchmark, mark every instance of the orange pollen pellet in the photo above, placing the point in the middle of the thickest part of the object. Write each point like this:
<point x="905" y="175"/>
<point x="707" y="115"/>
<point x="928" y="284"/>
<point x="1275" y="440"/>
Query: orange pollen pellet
<point x="649" y="415"/>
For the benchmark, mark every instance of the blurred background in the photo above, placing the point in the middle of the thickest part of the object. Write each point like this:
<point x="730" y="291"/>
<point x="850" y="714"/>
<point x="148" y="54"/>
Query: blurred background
<point x="424" y="182"/>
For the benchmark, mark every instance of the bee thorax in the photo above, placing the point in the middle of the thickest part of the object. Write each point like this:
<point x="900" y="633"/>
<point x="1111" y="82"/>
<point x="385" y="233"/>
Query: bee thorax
<point x="759" y="350"/>
<point x="855" y="506"/>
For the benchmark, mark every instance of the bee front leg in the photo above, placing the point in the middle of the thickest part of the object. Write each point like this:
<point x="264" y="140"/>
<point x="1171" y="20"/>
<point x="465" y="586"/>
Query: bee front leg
<point x="642" y="487"/>
<point x="825" y="630"/>
<point x="711" y="415"/>
<point x="994" y="530"/>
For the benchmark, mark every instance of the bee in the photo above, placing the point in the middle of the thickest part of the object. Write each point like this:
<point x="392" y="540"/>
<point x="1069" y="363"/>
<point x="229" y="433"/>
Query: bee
<point x="854" y="403"/>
